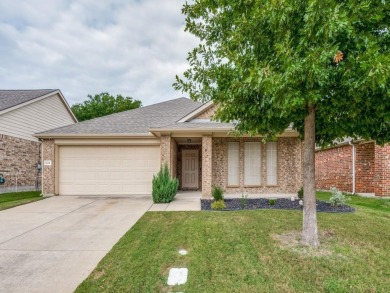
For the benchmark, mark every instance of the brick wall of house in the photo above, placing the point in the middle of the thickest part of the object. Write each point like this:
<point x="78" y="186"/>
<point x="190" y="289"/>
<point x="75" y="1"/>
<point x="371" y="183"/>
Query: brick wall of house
<point x="165" y="149"/>
<point x="289" y="166"/>
<point x="334" y="168"/>
<point x="372" y="168"/>
<point x="382" y="170"/>
<point x="173" y="158"/>
<point x="365" y="167"/>
<point x="48" y="172"/>
<point x="168" y="149"/>
<point x="208" y="163"/>
<point x="208" y="114"/>
<point x="18" y="163"/>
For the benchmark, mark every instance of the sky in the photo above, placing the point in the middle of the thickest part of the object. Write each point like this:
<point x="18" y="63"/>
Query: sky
<point x="129" y="47"/>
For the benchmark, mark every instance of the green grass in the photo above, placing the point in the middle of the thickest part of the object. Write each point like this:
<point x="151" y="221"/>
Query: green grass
<point x="238" y="252"/>
<point x="13" y="199"/>
<point x="378" y="204"/>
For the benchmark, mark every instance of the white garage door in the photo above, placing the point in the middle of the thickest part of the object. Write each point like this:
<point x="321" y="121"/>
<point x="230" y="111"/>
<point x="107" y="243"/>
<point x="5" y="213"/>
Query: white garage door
<point x="106" y="170"/>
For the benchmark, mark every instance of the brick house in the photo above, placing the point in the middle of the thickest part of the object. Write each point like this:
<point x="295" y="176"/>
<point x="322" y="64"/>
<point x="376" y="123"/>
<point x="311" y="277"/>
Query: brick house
<point x="359" y="167"/>
<point x="119" y="153"/>
<point x="23" y="113"/>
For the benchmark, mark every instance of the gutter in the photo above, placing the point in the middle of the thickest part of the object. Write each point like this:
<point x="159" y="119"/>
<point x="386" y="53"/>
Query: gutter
<point x="105" y="135"/>
<point x="353" y="167"/>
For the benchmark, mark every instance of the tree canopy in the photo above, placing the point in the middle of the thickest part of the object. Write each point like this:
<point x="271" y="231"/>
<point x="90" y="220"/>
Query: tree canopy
<point x="103" y="104"/>
<point x="265" y="61"/>
<point x="321" y="66"/>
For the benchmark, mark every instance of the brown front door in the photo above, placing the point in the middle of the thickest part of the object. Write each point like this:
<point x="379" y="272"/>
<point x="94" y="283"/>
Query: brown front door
<point x="190" y="169"/>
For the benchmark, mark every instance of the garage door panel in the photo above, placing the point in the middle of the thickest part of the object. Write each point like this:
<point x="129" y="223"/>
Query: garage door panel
<point x="94" y="170"/>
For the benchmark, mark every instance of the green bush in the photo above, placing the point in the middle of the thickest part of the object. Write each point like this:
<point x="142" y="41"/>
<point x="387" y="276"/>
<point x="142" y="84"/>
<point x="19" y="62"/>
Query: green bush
<point x="300" y="193"/>
<point x="272" y="202"/>
<point x="164" y="187"/>
<point x="217" y="193"/>
<point x="243" y="201"/>
<point x="337" y="198"/>
<point x="218" y="205"/>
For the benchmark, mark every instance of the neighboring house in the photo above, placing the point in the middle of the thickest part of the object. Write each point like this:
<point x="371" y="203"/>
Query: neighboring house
<point x="119" y="153"/>
<point x="355" y="167"/>
<point x="22" y="114"/>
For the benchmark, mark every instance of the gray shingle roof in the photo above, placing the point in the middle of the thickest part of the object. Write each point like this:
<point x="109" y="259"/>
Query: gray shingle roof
<point x="12" y="98"/>
<point x="197" y="125"/>
<point x="137" y="121"/>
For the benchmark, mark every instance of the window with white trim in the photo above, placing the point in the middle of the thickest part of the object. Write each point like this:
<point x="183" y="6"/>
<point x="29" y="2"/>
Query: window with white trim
<point x="233" y="163"/>
<point x="272" y="162"/>
<point x="252" y="163"/>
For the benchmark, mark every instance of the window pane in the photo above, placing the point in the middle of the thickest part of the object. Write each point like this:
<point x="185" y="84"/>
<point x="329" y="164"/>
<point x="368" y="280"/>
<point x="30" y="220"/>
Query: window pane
<point x="272" y="162"/>
<point x="233" y="163"/>
<point x="252" y="163"/>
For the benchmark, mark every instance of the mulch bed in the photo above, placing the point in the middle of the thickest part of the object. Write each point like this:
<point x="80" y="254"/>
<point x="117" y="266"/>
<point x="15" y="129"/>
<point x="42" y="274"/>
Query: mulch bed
<point x="233" y="204"/>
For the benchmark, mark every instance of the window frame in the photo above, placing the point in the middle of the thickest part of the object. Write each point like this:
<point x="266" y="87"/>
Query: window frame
<point x="260" y="167"/>
<point x="238" y="165"/>
<point x="276" y="164"/>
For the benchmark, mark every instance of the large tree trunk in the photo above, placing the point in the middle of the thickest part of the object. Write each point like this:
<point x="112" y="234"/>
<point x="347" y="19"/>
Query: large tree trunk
<point x="310" y="230"/>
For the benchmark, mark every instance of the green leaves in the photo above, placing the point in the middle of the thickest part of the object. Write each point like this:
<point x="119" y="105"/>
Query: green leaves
<point x="265" y="61"/>
<point x="103" y="104"/>
<point x="164" y="188"/>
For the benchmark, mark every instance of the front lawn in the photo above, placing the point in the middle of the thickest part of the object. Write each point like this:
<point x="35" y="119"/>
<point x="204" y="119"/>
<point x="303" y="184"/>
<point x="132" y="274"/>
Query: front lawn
<point x="249" y="251"/>
<point x="376" y="203"/>
<point x="13" y="199"/>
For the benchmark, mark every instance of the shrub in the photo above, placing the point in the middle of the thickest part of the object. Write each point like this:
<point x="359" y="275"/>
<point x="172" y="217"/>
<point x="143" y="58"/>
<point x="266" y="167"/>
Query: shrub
<point x="337" y="198"/>
<point x="243" y="201"/>
<point x="217" y="193"/>
<point x="272" y="202"/>
<point x="300" y="193"/>
<point x="218" y="205"/>
<point x="164" y="187"/>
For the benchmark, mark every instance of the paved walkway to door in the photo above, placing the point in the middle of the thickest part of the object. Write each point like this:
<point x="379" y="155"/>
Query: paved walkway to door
<point x="183" y="201"/>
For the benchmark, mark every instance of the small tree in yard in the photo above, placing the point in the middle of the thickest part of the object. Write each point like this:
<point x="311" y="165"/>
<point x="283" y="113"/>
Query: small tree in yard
<point x="164" y="187"/>
<point x="321" y="66"/>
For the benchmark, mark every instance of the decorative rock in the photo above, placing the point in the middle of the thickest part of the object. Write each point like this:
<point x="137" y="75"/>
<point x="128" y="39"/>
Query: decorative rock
<point x="177" y="276"/>
<point x="292" y="198"/>
<point x="301" y="202"/>
<point x="233" y="204"/>
<point x="183" y="252"/>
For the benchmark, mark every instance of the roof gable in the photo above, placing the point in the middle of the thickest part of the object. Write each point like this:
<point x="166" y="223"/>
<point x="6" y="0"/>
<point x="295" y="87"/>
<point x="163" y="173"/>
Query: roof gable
<point x="207" y="113"/>
<point x="12" y="98"/>
<point x="198" y="112"/>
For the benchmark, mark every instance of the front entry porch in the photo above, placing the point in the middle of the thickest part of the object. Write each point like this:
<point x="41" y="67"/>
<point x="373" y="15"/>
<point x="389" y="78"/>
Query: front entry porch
<point x="189" y="160"/>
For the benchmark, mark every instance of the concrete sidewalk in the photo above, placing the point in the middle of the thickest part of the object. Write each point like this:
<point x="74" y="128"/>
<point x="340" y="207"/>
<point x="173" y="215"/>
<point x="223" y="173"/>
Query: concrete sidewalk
<point x="183" y="201"/>
<point x="53" y="245"/>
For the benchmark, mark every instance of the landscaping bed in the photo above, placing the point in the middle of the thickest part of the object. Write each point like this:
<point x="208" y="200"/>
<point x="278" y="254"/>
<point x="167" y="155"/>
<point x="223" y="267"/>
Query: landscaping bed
<point x="233" y="204"/>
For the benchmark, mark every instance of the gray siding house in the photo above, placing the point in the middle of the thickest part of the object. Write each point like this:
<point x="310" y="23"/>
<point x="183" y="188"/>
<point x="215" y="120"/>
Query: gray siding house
<point x="23" y="113"/>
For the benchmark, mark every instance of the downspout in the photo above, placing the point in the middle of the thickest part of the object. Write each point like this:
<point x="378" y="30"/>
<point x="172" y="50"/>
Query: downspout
<point x="353" y="167"/>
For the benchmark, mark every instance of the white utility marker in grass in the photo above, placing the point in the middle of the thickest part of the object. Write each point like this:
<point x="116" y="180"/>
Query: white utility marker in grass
<point x="183" y="252"/>
<point x="177" y="276"/>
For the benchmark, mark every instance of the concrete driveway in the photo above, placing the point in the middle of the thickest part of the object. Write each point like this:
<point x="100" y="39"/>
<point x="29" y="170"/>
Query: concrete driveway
<point x="52" y="245"/>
